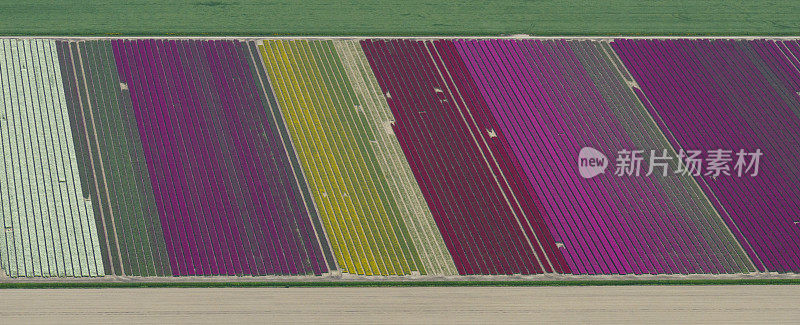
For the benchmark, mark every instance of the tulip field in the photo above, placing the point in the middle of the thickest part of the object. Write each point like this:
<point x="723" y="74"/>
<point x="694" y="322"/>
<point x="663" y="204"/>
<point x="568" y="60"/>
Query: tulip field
<point x="397" y="157"/>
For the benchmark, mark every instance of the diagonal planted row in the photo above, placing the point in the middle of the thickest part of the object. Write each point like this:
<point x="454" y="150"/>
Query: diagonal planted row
<point x="391" y="157"/>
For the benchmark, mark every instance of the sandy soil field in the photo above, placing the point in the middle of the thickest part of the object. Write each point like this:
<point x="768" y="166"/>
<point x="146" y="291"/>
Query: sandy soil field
<point x="656" y="304"/>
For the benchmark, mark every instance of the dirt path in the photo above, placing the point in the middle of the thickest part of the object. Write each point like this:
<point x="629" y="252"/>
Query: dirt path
<point x="656" y="304"/>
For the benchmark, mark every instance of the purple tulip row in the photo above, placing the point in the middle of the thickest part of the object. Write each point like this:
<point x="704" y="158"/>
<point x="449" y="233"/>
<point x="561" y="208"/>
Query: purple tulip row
<point x="549" y="107"/>
<point x="734" y="94"/>
<point x="224" y="189"/>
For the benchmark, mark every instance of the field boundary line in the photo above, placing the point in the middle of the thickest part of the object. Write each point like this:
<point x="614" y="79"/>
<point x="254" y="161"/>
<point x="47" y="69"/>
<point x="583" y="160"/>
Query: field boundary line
<point x="256" y="37"/>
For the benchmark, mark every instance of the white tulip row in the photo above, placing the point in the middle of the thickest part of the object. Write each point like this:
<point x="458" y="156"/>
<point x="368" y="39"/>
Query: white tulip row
<point x="48" y="226"/>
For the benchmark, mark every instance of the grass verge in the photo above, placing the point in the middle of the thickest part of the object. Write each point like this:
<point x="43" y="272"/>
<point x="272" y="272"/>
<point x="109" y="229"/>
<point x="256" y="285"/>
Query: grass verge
<point x="388" y="17"/>
<point x="310" y="284"/>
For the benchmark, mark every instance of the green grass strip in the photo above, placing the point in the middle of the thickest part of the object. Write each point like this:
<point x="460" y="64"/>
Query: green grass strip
<point x="412" y="17"/>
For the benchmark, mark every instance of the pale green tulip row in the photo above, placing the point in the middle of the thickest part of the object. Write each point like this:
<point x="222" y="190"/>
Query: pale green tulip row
<point x="48" y="227"/>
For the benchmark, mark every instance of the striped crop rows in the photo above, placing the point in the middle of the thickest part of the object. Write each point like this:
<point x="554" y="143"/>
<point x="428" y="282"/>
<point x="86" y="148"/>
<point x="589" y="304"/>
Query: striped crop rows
<point x="483" y="223"/>
<point x="228" y="201"/>
<point x="555" y="104"/>
<point x="378" y="157"/>
<point x="734" y="94"/>
<point x="337" y="138"/>
<point x="111" y="161"/>
<point x="402" y="186"/>
<point x="48" y="220"/>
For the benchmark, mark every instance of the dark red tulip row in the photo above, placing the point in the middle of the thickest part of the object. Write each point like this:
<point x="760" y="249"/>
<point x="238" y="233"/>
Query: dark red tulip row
<point x="489" y="221"/>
